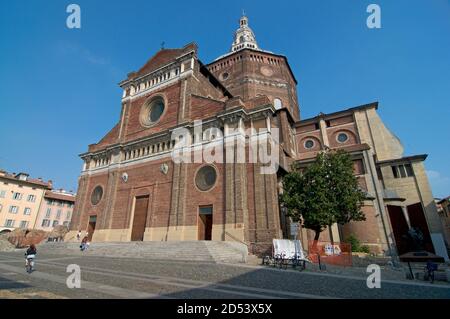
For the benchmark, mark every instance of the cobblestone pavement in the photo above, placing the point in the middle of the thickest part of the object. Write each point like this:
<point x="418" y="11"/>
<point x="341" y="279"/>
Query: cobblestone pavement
<point x="398" y="273"/>
<point x="105" y="277"/>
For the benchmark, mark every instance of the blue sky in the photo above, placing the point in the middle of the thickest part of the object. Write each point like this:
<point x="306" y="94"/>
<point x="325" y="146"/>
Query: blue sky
<point x="59" y="92"/>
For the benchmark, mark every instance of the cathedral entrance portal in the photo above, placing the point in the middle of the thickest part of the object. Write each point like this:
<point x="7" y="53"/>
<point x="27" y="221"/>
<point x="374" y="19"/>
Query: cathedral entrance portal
<point x="140" y="218"/>
<point x="205" y="221"/>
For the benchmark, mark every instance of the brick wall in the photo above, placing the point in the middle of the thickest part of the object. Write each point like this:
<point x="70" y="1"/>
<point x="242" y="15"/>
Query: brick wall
<point x="133" y="127"/>
<point x="252" y="73"/>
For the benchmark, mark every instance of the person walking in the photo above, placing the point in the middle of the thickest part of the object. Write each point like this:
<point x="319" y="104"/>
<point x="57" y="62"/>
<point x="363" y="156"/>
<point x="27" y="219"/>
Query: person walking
<point x="79" y="235"/>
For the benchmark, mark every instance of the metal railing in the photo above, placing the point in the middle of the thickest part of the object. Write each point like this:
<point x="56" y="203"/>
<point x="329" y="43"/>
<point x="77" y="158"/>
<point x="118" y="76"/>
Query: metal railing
<point x="235" y="238"/>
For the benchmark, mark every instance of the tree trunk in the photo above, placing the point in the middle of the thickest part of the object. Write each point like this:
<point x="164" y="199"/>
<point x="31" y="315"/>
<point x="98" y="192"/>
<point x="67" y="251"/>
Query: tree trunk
<point x="316" y="240"/>
<point x="317" y="235"/>
<point x="331" y="234"/>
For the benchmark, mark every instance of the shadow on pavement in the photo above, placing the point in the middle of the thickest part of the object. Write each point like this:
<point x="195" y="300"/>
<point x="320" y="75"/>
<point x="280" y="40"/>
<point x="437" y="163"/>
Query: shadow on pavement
<point x="11" y="284"/>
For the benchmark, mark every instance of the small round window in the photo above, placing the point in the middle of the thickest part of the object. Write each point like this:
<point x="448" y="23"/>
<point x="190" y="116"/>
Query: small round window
<point x="342" y="137"/>
<point x="206" y="178"/>
<point x="309" y="144"/>
<point x="225" y="75"/>
<point x="96" y="195"/>
<point x="152" y="111"/>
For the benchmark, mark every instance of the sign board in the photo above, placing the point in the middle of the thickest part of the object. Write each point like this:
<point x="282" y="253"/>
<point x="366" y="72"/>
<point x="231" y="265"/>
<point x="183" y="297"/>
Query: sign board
<point x="330" y="249"/>
<point x="294" y="229"/>
<point x="332" y="254"/>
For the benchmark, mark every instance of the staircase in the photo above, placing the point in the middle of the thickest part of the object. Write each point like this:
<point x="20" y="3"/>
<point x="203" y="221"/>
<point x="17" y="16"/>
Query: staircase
<point x="207" y="251"/>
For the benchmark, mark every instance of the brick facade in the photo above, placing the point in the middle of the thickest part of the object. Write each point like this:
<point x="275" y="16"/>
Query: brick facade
<point x="246" y="89"/>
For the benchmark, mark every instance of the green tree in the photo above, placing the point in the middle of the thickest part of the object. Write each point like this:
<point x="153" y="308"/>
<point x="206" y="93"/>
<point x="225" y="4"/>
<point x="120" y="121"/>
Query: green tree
<point x="323" y="193"/>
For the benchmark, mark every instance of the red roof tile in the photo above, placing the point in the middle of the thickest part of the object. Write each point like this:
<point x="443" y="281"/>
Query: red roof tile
<point x="32" y="181"/>
<point x="59" y="196"/>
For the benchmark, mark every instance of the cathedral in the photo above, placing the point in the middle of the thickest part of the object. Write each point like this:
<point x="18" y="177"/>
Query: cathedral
<point x="132" y="188"/>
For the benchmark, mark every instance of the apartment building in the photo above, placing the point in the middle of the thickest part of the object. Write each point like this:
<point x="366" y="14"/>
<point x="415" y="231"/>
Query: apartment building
<point x="56" y="209"/>
<point x="20" y="200"/>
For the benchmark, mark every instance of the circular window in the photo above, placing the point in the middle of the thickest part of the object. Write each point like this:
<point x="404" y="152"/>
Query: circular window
<point x="225" y="75"/>
<point x="342" y="137"/>
<point x="206" y="178"/>
<point x="96" y="195"/>
<point x="309" y="144"/>
<point x="266" y="70"/>
<point x="152" y="111"/>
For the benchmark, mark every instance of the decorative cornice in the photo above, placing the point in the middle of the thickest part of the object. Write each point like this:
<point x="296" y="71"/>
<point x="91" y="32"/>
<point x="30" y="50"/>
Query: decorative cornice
<point x="406" y="159"/>
<point x="169" y="65"/>
<point x="336" y="114"/>
<point x="231" y="114"/>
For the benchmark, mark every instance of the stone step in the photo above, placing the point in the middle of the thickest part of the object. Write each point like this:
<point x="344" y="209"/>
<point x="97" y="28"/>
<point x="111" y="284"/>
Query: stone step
<point x="172" y="250"/>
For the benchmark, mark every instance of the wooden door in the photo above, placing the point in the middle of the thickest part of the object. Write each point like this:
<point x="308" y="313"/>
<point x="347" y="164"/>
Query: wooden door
<point x="399" y="228"/>
<point x="208" y="227"/>
<point x="205" y="222"/>
<point x="205" y="227"/>
<point x="91" y="227"/>
<point x="140" y="218"/>
<point x="201" y="227"/>
<point x="418" y="220"/>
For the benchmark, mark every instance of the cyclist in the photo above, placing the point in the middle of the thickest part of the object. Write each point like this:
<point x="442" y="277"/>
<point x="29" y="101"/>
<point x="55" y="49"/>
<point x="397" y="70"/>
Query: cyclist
<point x="84" y="243"/>
<point x="30" y="254"/>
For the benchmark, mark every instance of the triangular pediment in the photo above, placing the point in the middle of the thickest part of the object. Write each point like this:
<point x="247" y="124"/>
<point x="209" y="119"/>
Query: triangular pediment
<point x="163" y="57"/>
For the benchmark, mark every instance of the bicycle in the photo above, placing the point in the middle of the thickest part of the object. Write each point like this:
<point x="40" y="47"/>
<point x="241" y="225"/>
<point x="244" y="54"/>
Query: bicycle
<point x="429" y="270"/>
<point x="298" y="261"/>
<point x="267" y="260"/>
<point x="280" y="261"/>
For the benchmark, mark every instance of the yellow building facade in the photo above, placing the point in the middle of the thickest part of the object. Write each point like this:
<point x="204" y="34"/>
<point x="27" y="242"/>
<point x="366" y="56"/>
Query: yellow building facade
<point x="20" y="200"/>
